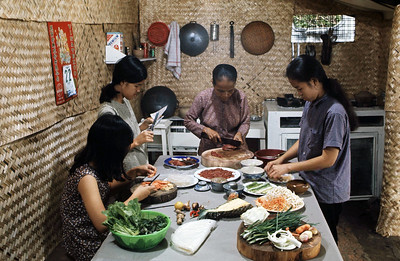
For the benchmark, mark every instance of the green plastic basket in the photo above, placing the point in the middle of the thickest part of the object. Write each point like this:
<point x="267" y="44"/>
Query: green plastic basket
<point x="143" y="242"/>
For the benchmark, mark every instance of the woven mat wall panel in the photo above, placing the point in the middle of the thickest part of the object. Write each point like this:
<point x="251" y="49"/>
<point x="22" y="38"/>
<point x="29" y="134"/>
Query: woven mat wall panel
<point x="26" y="79"/>
<point x="389" y="216"/>
<point x="360" y="65"/>
<point x="32" y="176"/>
<point x="258" y="76"/>
<point x="393" y="76"/>
<point x="77" y="11"/>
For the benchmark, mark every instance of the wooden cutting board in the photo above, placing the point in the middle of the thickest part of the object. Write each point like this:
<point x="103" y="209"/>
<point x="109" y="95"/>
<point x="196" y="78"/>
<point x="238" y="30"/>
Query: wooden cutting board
<point x="228" y="159"/>
<point x="159" y="196"/>
<point x="267" y="251"/>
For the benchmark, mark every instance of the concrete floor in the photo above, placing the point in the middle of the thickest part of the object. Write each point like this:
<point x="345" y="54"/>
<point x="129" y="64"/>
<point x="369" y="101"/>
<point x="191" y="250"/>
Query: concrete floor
<point x="358" y="240"/>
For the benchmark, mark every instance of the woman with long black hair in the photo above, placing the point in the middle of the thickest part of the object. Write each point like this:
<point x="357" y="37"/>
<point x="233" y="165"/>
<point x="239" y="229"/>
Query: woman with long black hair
<point x="323" y="148"/>
<point x="96" y="173"/>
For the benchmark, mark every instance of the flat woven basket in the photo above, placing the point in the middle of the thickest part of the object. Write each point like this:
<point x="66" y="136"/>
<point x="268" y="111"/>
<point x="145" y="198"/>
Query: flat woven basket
<point x="257" y="37"/>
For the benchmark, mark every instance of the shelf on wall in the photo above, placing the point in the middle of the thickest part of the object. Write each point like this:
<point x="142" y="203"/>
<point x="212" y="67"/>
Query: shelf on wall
<point x="113" y="55"/>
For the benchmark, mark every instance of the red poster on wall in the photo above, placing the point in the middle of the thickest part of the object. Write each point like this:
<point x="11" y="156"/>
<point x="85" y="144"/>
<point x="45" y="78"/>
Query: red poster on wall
<point x="63" y="60"/>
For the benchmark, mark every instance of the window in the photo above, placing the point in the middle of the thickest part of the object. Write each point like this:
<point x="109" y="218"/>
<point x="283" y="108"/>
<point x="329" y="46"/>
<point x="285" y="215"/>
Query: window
<point x="309" y="28"/>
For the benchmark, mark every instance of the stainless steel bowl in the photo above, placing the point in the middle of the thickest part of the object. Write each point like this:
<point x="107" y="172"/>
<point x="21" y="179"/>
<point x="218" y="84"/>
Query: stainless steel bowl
<point x="233" y="187"/>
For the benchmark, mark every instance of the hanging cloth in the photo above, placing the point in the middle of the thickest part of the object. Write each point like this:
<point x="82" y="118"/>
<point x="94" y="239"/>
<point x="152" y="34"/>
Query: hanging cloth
<point x="173" y="50"/>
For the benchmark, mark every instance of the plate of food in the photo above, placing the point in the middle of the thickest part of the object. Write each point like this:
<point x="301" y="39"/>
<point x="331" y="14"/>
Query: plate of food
<point x="282" y="179"/>
<point x="217" y="172"/>
<point x="181" y="162"/>
<point x="257" y="188"/>
<point x="181" y="180"/>
<point x="279" y="199"/>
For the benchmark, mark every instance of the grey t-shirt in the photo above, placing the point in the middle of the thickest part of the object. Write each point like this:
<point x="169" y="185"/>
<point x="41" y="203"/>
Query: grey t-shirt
<point x="138" y="155"/>
<point x="325" y="123"/>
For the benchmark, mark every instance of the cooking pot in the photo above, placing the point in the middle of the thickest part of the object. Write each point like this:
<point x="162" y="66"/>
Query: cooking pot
<point x="257" y="37"/>
<point x="156" y="98"/>
<point x="194" y="39"/>
<point x="365" y="99"/>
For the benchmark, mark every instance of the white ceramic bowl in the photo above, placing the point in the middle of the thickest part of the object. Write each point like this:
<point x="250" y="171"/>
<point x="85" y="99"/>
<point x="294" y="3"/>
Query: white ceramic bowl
<point x="252" y="172"/>
<point x="251" y="162"/>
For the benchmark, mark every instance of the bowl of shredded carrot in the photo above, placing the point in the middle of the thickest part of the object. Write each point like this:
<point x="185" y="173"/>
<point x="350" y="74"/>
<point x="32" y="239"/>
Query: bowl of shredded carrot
<point x="280" y="199"/>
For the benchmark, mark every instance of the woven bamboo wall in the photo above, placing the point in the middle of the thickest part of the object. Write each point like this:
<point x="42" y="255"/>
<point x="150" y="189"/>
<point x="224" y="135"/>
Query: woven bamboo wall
<point x="389" y="216"/>
<point x="37" y="138"/>
<point x="32" y="173"/>
<point x="358" y="66"/>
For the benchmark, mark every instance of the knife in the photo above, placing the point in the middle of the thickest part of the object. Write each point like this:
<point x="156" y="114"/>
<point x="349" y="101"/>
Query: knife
<point x="232" y="142"/>
<point x="154" y="123"/>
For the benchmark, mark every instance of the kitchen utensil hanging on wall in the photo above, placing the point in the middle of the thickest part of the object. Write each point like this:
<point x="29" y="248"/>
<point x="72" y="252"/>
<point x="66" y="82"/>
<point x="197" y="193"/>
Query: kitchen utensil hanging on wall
<point x="214" y="34"/>
<point x="232" y="40"/>
<point x="194" y="39"/>
<point x="310" y="50"/>
<point x="257" y="37"/>
<point x="327" y="41"/>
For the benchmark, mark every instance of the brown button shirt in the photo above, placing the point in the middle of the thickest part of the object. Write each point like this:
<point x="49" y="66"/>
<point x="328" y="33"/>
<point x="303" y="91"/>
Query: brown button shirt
<point x="226" y="118"/>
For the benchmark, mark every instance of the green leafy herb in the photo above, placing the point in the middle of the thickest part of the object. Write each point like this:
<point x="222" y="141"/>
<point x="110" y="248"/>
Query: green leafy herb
<point x="258" y="232"/>
<point x="128" y="219"/>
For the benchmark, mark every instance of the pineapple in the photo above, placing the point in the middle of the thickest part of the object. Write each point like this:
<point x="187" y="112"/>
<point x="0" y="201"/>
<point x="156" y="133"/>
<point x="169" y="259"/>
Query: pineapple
<point x="232" y="208"/>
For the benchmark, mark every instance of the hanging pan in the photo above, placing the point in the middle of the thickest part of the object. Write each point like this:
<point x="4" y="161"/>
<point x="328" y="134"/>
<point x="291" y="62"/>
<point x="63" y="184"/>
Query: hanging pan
<point x="257" y="38"/>
<point x="194" y="39"/>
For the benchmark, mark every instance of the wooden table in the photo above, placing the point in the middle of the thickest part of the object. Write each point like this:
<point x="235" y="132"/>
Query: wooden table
<point x="221" y="244"/>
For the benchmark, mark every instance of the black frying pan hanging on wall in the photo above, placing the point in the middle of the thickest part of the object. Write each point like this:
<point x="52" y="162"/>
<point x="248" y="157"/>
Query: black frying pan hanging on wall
<point x="194" y="39"/>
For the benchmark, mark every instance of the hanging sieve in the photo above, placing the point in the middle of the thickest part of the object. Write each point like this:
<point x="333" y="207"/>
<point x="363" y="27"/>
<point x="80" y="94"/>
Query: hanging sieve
<point x="214" y="34"/>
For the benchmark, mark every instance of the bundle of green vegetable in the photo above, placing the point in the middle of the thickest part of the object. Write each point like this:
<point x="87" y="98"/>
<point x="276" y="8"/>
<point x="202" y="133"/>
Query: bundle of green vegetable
<point x="258" y="232"/>
<point x="128" y="219"/>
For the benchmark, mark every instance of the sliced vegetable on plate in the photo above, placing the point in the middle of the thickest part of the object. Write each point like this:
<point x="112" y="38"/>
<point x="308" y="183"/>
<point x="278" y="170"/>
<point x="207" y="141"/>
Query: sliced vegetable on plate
<point x="257" y="188"/>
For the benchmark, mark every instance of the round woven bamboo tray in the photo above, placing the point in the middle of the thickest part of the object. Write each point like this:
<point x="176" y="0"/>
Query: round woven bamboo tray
<point x="257" y="37"/>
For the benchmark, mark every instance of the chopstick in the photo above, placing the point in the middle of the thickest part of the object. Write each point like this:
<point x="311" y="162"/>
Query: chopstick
<point x="155" y="177"/>
<point x="165" y="206"/>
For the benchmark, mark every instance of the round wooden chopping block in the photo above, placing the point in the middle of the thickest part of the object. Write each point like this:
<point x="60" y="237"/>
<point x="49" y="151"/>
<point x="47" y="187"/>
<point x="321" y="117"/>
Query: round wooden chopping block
<point x="257" y="37"/>
<point x="228" y="158"/>
<point x="267" y="251"/>
<point x="159" y="196"/>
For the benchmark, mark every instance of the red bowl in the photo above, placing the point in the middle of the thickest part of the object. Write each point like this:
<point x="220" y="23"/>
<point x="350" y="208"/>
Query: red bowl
<point x="268" y="155"/>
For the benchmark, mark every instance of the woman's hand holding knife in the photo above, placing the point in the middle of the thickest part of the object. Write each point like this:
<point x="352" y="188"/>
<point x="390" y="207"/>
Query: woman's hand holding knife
<point x="212" y="135"/>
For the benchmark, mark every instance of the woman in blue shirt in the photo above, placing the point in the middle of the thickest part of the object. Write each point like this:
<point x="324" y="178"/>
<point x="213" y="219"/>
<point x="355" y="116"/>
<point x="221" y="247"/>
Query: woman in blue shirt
<point x="323" y="148"/>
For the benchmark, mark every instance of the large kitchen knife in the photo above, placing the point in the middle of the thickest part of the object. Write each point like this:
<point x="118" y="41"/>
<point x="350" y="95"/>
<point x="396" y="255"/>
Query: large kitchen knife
<point x="232" y="142"/>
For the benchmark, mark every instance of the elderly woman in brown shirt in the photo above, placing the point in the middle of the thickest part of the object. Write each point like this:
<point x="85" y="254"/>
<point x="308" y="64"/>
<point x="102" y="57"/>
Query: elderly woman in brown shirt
<point x="223" y="111"/>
